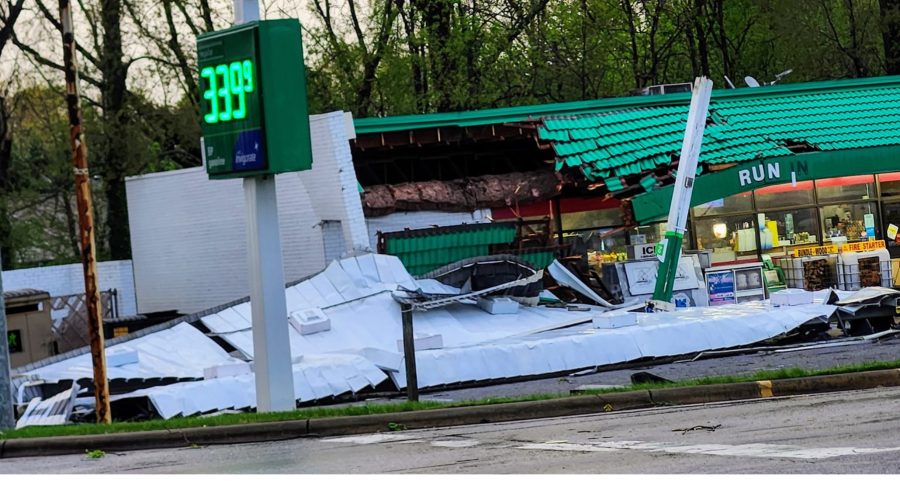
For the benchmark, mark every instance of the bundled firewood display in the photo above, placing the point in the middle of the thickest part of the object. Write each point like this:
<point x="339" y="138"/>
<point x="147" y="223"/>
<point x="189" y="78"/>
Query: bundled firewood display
<point x="816" y="275"/>
<point x="869" y="272"/>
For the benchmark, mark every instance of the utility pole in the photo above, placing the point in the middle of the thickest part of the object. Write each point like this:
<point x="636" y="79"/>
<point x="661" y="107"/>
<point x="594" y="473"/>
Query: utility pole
<point x="85" y="215"/>
<point x="669" y="250"/>
<point x="7" y="417"/>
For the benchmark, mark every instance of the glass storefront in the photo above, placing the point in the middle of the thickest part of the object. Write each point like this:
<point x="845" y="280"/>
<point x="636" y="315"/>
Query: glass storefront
<point x="845" y="209"/>
<point x="849" y="221"/>
<point x="772" y="220"/>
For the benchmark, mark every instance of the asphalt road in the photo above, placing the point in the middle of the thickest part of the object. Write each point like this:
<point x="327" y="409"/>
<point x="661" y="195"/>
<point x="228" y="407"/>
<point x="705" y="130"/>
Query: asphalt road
<point x="849" y="432"/>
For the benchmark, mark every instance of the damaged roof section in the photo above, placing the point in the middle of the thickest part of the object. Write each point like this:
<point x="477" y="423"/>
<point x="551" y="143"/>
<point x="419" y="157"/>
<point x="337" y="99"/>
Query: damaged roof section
<point x="743" y="125"/>
<point x="461" y="195"/>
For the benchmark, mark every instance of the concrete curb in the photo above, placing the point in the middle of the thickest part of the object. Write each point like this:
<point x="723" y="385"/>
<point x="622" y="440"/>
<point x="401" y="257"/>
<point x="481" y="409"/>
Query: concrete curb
<point x="519" y="411"/>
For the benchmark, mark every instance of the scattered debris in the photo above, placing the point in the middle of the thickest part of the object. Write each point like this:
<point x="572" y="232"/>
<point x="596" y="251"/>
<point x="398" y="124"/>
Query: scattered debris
<point x="644" y="377"/>
<point x="698" y="428"/>
<point x="396" y="427"/>
<point x="594" y="387"/>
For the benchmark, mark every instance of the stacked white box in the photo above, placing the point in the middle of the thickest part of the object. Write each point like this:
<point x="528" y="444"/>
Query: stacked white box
<point x="498" y="305"/>
<point x="791" y="297"/>
<point x="615" y="320"/>
<point x="227" y="370"/>
<point x="310" y="321"/>
<point x="121" y="358"/>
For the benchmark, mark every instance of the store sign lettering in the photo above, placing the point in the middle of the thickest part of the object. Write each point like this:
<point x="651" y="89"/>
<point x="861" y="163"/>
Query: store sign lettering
<point x="863" y="246"/>
<point x="644" y="251"/>
<point x="815" y="251"/>
<point x="767" y="172"/>
<point x="833" y="249"/>
<point x="759" y="173"/>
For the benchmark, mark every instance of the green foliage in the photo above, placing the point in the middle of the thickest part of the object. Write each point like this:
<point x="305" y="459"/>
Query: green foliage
<point x="392" y="57"/>
<point x="95" y="454"/>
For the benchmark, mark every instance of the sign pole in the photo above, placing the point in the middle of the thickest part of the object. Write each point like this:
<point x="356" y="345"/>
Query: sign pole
<point x="271" y="342"/>
<point x="7" y="417"/>
<point x="85" y="215"/>
<point x="669" y="250"/>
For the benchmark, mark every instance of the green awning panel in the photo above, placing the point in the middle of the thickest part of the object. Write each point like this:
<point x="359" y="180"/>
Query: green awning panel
<point x="744" y="125"/>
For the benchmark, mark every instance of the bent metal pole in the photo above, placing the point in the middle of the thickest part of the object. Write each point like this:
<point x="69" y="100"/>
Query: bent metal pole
<point x="669" y="250"/>
<point x="85" y="215"/>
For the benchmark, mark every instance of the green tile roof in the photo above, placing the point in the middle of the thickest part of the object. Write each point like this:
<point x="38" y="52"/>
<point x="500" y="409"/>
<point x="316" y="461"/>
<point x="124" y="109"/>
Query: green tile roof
<point x="743" y="125"/>
<point x="609" y="138"/>
<point x="425" y="250"/>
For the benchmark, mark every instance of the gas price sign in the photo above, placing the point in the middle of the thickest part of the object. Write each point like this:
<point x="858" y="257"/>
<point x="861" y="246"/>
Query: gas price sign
<point x="253" y="102"/>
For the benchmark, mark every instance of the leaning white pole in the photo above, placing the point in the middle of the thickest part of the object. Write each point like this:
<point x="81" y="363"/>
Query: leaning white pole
<point x="669" y="249"/>
<point x="271" y="342"/>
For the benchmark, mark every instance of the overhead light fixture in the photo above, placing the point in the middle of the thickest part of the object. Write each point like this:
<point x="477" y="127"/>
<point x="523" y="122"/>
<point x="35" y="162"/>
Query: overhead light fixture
<point x="720" y="230"/>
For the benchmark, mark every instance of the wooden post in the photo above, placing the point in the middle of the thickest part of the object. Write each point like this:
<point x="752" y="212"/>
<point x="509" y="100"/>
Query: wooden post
<point x="85" y="215"/>
<point x="409" y="353"/>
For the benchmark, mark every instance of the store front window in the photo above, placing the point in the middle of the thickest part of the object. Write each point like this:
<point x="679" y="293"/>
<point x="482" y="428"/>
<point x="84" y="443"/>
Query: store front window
<point x="785" y="195"/>
<point x="855" y="222"/>
<point x="843" y="189"/>
<point x="791" y="227"/>
<point x="890" y="184"/>
<point x="728" y="237"/>
<point x="729" y="205"/>
<point x="891" y="213"/>
<point x="601" y="245"/>
<point x="591" y="219"/>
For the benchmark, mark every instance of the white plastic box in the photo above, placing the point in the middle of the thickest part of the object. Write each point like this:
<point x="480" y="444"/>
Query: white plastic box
<point x="310" y="321"/>
<point x="122" y="358"/>
<point x="227" y="370"/>
<point x="424" y="341"/>
<point x="791" y="297"/>
<point x="614" y="321"/>
<point x="498" y="305"/>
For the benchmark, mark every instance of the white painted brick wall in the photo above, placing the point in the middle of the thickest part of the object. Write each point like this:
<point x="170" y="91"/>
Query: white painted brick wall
<point x="189" y="238"/>
<point x="332" y="182"/>
<point x="188" y="233"/>
<point x="333" y="237"/>
<point x="69" y="279"/>
<point x="421" y="220"/>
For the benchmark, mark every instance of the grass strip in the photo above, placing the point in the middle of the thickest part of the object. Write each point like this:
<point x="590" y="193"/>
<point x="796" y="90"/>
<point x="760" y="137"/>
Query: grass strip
<point x="405" y="406"/>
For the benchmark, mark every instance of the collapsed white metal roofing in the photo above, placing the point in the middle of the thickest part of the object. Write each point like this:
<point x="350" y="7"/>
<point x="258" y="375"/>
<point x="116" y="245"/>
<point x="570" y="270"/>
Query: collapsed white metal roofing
<point x="360" y="349"/>
<point x="181" y="351"/>
<point x="315" y="377"/>
<point x="355" y="294"/>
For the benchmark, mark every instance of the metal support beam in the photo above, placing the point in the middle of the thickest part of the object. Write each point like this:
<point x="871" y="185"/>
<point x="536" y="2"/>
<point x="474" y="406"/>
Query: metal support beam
<point x="272" y="363"/>
<point x="669" y="250"/>
<point x="271" y="340"/>
<point x="409" y="353"/>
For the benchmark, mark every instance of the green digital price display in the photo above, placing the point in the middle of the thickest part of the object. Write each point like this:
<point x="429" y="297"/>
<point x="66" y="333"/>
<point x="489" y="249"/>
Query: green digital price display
<point x="253" y="102"/>
<point x="227" y="89"/>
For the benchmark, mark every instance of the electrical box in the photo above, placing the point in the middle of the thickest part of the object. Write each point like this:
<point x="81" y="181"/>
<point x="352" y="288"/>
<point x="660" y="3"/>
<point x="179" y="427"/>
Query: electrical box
<point x="253" y="105"/>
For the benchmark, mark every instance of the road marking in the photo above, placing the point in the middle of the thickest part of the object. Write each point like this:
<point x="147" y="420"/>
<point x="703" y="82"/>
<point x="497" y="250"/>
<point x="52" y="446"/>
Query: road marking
<point x="455" y="443"/>
<point x="371" y="439"/>
<point x="749" y="450"/>
<point x="403" y="439"/>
